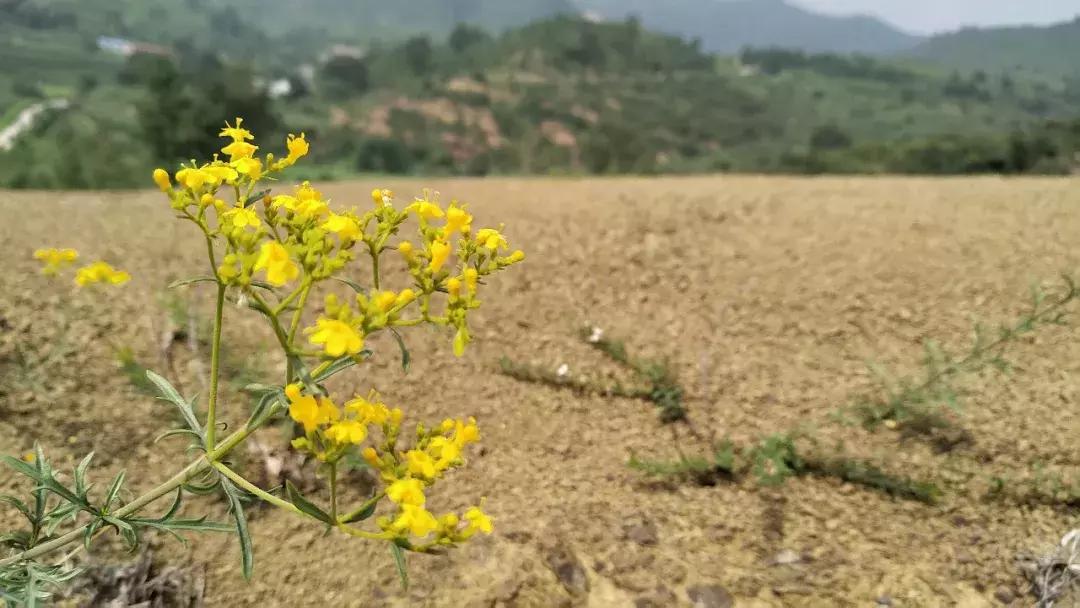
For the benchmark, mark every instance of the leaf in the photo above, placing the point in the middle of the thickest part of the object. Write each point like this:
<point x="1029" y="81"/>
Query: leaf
<point x="254" y="197"/>
<point x="305" y="505"/>
<point x="262" y="408"/>
<point x="406" y="358"/>
<point x="356" y="286"/>
<point x="191" y="281"/>
<point x="170" y="394"/>
<point x="362" y="515"/>
<point x="80" y="474"/>
<point x="18" y="504"/>
<point x="399" y="561"/>
<point x="339" y="365"/>
<point x="237" y="509"/>
<point x="114" y="490"/>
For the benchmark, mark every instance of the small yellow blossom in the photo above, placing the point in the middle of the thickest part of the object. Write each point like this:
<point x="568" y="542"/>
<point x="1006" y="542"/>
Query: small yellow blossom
<point x="236" y="133"/>
<point x="100" y="272"/>
<point x="309" y="411"/>
<point x="347" y="432"/>
<point x="382" y="197"/>
<point x="466" y="433"/>
<point x="425" y="209"/>
<point x="477" y="522"/>
<point x="298" y="148"/>
<point x="337" y="337"/>
<point x="251" y="167"/>
<point x="53" y="259"/>
<point x="371" y="457"/>
<point x="406" y="492"/>
<point x="516" y="257"/>
<point x="490" y="238"/>
<point x="368" y="411"/>
<point x="385" y="300"/>
<point x="416" y="520"/>
<point x="457" y="219"/>
<point x="161" y="178"/>
<point x="471" y="279"/>
<point x="274" y="258"/>
<point x="221" y="173"/>
<point x="420" y="464"/>
<point x="342" y="225"/>
<point x="440" y="251"/>
<point x="239" y="149"/>
<point x="242" y="218"/>
<point x="404" y="297"/>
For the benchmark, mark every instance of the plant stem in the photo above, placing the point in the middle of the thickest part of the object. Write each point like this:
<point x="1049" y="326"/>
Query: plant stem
<point x="374" y="263"/>
<point x="215" y="364"/>
<point x="333" y="491"/>
<point x="257" y="491"/>
<point x="295" y="324"/>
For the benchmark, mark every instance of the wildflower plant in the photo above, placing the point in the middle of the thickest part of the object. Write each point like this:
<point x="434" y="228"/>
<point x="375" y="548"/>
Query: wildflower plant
<point x="272" y="254"/>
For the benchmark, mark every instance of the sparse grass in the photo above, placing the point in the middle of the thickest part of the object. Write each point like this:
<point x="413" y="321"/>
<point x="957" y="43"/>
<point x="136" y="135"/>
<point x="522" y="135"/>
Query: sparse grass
<point x="914" y="406"/>
<point x="657" y="382"/>
<point x="775" y="459"/>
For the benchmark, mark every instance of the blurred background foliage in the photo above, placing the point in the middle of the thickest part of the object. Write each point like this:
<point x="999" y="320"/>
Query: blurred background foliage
<point x="478" y="87"/>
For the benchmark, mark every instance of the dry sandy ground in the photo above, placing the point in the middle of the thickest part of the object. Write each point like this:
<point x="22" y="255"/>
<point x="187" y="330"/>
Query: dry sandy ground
<point x="769" y="294"/>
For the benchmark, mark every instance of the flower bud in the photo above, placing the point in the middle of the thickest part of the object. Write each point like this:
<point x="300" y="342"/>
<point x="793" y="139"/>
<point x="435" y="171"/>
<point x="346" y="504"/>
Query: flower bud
<point x="161" y="178"/>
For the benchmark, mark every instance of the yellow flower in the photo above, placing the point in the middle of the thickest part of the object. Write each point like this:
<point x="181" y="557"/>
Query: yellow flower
<point x="221" y="173"/>
<point x="192" y="178"/>
<point x="337" y="337"/>
<point x="344" y="226"/>
<point x="457" y="219"/>
<point x="420" y="464"/>
<point x="490" y="238"/>
<point x="239" y="149"/>
<point x="53" y="259"/>
<point x="405" y="248"/>
<point x="453" y="287"/>
<point x="309" y="411"/>
<point x="242" y="218"/>
<point x="417" y="520"/>
<point x="477" y="522"/>
<point x="406" y="492"/>
<point x="382" y="197"/>
<point x="425" y="209"/>
<point x="348" y="431"/>
<point x="440" y="251"/>
<point x="274" y="258"/>
<point x="236" y="133"/>
<point x="298" y="147"/>
<point x="466" y="433"/>
<point x="407" y="295"/>
<point x="371" y="457"/>
<point x="516" y="257"/>
<point x="385" y="300"/>
<point x="471" y="278"/>
<point x="374" y="413"/>
<point x="161" y="178"/>
<point x="100" y="272"/>
<point x="445" y="452"/>
<point x="251" y="167"/>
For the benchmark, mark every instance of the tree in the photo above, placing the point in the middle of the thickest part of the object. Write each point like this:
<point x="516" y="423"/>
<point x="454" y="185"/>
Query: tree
<point x="418" y="54"/>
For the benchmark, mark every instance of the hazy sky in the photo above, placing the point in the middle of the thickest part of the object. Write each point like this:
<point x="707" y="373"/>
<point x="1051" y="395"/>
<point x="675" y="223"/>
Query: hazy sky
<point x="929" y="16"/>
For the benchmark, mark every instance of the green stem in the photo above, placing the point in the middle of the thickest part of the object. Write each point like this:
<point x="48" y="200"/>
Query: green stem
<point x="333" y="491"/>
<point x="215" y="364"/>
<point x="257" y="491"/>
<point x="372" y="249"/>
<point x="295" y="324"/>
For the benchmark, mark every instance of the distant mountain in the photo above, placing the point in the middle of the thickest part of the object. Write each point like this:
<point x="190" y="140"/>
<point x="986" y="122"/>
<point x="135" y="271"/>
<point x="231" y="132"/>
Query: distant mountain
<point x="362" y="20"/>
<point x="1052" y="50"/>
<point x="726" y="26"/>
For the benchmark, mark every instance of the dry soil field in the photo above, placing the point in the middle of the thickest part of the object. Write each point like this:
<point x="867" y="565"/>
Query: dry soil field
<point x="768" y="294"/>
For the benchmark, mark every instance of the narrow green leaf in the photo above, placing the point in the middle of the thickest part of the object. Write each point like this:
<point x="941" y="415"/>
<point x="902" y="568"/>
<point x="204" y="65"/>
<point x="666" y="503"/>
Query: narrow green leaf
<point x="80" y="474"/>
<point x="255" y="197"/>
<point x="191" y="281"/>
<point x="406" y="358"/>
<point x="355" y="286"/>
<point x="339" y="365"/>
<point x="20" y="467"/>
<point x="305" y="505"/>
<point x="18" y="504"/>
<point x="262" y="408"/>
<point x="399" y="561"/>
<point x="114" y="490"/>
<point x="170" y="394"/>
<point x="362" y="515"/>
<point x="237" y="509"/>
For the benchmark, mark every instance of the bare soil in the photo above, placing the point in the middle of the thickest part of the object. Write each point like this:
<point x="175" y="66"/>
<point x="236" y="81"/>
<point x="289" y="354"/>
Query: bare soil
<point x="769" y="295"/>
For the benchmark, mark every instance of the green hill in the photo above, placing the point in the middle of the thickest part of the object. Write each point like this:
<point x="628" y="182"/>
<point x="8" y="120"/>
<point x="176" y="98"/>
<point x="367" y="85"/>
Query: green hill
<point x="1051" y="51"/>
<point x="727" y="26"/>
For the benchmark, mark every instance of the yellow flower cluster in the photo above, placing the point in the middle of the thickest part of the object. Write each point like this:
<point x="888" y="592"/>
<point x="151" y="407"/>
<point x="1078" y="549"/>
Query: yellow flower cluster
<point x="331" y="432"/>
<point x="54" y="260"/>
